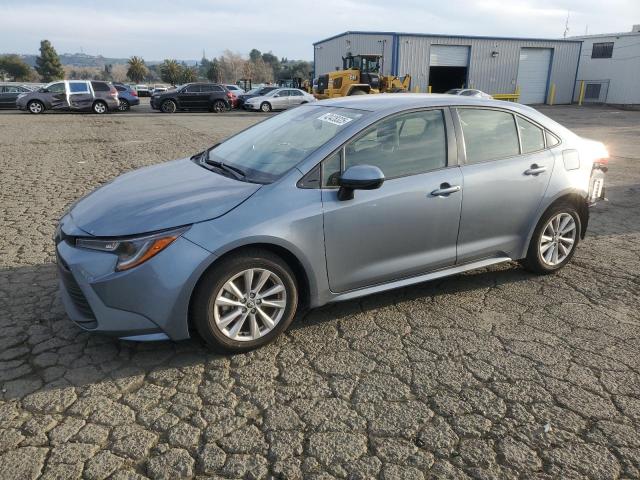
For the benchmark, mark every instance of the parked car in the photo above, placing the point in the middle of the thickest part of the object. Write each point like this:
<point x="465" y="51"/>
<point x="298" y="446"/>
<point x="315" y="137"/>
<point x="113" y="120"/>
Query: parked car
<point x="71" y="95"/>
<point x="193" y="96"/>
<point x="256" y="92"/>
<point x="128" y="96"/>
<point x="279" y="99"/>
<point x="469" y="92"/>
<point x="330" y="201"/>
<point x="158" y="90"/>
<point x="235" y="89"/>
<point x="143" y="91"/>
<point x="9" y="94"/>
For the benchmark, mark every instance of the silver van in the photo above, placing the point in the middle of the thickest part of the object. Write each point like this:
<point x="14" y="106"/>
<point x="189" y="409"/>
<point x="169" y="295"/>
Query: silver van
<point x="71" y="95"/>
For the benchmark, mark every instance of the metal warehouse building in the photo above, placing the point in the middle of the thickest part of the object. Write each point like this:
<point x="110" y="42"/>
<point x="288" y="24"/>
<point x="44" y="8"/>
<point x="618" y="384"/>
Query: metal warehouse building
<point x="610" y="68"/>
<point x="541" y="70"/>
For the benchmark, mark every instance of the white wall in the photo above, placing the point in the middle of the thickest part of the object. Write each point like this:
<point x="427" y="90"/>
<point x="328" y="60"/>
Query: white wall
<point x="622" y="70"/>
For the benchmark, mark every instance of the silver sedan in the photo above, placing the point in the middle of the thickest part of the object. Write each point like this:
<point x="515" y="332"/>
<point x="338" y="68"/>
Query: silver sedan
<point x="279" y="99"/>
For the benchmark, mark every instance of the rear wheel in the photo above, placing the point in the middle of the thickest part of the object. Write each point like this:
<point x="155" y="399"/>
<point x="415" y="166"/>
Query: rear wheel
<point x="124" y="105"/>
<point x="265" y="107"/>
<point x="35" y="106"/>
<point x="245" y="302"/>
<point x="554" y="240"/>
<point x="357" y="92"/>
<point x="218" y="106"/>
<point x="99" y="107"/>
<point x="168" y="106"/>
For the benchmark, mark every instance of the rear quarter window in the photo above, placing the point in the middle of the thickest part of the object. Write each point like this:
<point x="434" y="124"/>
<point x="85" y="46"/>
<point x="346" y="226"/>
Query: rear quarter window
<point x="100" y="86"/>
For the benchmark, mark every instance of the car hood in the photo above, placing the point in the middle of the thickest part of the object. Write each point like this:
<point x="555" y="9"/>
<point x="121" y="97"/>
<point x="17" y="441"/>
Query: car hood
<point x="159" y="197"/>
<point x="258" y="98"/>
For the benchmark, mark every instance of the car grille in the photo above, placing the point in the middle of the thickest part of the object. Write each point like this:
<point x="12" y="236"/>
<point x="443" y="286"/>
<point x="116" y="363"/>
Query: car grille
<point x="77" y="297"/>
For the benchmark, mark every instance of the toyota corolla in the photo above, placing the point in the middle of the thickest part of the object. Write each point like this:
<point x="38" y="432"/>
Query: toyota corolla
<point x="329" y="201"/>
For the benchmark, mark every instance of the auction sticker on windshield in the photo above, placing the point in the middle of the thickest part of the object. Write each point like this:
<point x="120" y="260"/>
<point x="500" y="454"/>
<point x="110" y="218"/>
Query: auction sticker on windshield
<point x="335" y="119"/>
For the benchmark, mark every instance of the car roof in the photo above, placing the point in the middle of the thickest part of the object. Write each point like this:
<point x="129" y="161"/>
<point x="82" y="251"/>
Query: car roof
<point x="403" y="101"/>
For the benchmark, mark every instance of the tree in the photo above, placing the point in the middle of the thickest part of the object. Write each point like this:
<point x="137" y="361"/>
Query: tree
<point x="48" y="63"/>
<point x="137" y="70"/>
<point x="213" y="71"/>
<point x="231" y="66"/>
<point x="188" y="74"/>
<point x="15" y="68"/>
<point x="254" y="55"/>
<point x="170" y="71"/>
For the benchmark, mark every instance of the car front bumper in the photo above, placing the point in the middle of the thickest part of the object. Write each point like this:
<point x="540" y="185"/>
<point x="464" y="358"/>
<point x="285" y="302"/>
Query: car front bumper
<point x="148" y="302"/>
<point x="250" y="106"/>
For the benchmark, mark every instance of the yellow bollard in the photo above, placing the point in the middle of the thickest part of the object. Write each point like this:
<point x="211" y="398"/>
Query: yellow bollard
<point x="429" y="89"/>
<point x="416" y="89"/>
<point x="581" y="95"/>
<point x="552" y="94"/>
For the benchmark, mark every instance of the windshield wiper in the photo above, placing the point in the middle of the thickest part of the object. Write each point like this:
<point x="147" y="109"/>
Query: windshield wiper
<point x="235" y="171"/>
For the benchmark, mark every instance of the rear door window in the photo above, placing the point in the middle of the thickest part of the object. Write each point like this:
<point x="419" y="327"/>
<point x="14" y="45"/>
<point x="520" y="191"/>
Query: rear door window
<point x="488" y="134"/>
<point x="80" y="87"/>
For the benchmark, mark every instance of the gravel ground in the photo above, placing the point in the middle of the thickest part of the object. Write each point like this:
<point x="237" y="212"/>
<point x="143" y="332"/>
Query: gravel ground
<point x="495" y="373"/>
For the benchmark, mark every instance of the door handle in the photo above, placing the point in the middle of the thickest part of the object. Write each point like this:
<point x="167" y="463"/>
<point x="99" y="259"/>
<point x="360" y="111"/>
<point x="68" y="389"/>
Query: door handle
<point x="535" y="170"/>
<point x="446" y="189"/>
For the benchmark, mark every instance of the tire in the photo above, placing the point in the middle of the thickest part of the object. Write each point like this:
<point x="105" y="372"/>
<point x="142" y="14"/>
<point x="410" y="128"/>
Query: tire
<point x="99" y="107"/>
<point x="216" y="321"/>
<point x="35" y="107"/>
<point x="218" y="106"/>
<point x="265" y="107"/>
<point x="550" y="251"/>
<point x="124" y="106"/>
<point x="357" y="92"/>
<point x="168" y="106"/>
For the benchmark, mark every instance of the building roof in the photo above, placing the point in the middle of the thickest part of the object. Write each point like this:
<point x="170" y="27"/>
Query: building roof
<point x="438" y="35"/>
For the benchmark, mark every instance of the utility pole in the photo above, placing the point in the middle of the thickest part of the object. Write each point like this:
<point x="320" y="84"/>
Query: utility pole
<point x="566" y="25"/>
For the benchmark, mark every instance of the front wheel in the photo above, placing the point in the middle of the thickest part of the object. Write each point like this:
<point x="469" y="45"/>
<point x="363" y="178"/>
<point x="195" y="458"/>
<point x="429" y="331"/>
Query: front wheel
<point x="245" y="302"/>
<point x="124" y="105"/>
<point x="265" y="107"/>
<point x="168" y="106"/>
<point x="554" y="240"/>
<point x="99" y="107"/>
<point x="35" y="106"/>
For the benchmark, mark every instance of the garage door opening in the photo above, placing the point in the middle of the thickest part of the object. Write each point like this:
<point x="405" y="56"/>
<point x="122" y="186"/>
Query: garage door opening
<point x="448" y="65"/>
<point x="442" y="79"/>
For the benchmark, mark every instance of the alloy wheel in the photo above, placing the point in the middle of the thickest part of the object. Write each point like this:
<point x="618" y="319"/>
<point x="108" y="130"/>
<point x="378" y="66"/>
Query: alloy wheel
<point x="250" y="304"/>
<point x="557" y="239"/>
<point x="99" y="107"/>
<point x="35" y="107"/>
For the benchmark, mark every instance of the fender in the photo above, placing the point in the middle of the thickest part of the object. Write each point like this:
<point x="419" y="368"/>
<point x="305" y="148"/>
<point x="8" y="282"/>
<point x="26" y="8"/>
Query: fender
<point x="544" y="206"/>
<point x="316" y="277"/>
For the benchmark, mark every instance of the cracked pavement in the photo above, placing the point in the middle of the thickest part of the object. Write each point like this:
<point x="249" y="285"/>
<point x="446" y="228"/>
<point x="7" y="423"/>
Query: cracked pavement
<point x="492" y="374"/>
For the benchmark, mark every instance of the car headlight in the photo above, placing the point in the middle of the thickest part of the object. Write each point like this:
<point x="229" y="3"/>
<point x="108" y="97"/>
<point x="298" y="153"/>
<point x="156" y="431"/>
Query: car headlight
<point x="133" y="251"/>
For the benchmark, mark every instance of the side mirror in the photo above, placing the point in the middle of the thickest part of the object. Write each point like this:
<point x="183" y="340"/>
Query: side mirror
<point x="359" y="177"/>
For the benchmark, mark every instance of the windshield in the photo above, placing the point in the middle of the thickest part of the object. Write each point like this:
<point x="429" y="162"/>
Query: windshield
<point x="271" y="148"/>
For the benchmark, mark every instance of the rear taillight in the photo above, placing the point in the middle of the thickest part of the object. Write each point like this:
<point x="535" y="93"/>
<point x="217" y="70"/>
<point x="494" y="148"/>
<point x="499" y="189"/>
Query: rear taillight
<point x="113" y="92"/>
<point x="231" y="95"/>
<point x="134" y="93"/>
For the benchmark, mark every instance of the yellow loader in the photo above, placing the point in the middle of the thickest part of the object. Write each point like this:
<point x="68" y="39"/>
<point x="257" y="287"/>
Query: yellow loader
<point x="360" y="76"/>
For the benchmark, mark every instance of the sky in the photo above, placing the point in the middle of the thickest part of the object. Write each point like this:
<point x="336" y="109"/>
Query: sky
<point x="160" y="29"/>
